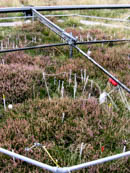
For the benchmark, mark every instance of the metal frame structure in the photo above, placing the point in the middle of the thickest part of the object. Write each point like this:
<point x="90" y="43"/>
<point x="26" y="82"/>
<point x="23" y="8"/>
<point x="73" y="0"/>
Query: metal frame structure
<point x="70" y="40"/>
<point x="66" y="44"/>
<point x="66" y="7"/>
<point x="64" y="169"/>
<point x="70" y="15"/>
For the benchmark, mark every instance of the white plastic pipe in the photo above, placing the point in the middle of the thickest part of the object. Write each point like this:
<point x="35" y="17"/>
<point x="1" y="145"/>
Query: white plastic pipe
<point x="65" y="169"/>
<point x="99" y="161"/>
<point x="28" y="160"/>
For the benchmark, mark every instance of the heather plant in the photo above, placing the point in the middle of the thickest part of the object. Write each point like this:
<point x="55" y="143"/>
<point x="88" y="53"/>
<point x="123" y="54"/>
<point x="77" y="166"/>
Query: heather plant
<point x="89" y="34"/>
<point x="73" y="116"/>
<point x="84" y="122"/>
<point x="115" y="60"/>
<point x="25" y="59"/>
<point x="18" y="58"/>
<point x="18" y="85"/>
<point x="17" y="80"/>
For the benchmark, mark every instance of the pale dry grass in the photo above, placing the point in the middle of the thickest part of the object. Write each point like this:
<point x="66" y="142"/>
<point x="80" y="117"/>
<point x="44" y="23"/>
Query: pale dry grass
<point x="9" y="3"/>
<point x="6" y="3"/>
<point x="70" y="2"/>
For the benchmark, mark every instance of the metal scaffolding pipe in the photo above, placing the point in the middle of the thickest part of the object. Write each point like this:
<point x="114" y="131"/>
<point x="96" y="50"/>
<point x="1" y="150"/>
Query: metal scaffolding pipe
<point x="104" y="70"/>
<point x="28" y="160"/>
<point x="62" y="44"/>
<point x="34" y="47"/>
<point x="64" y="169"/>
<point x="102" y="41"/>
<point x="55" y="28"/>
<point x="64" y="7"/>
<point x="99" y="161"/>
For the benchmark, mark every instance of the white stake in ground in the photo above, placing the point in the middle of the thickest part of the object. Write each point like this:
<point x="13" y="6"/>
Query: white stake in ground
<point x="3" y="61"/>
<point x="2" y="45"/>
<point x="62" y="89"/>
<point x="88" y="36"/>
<point x="4" y="102"/>
<point x="84" y="75"/>
<point x="85" y="84"/>
<point x="81" y="38"/>
<point x="70" y="73"/>
<point x="25" y="39"/>
<point x="63" y="117"/>
<point x="75" y="85"/>
<point x="82" y="147"/>
<point x="44" y="78"/>
<point x="54" y="80"/>
<point x="89" y="95"/>
<point x="58" y="86"/>
<point x="124" y="148"/>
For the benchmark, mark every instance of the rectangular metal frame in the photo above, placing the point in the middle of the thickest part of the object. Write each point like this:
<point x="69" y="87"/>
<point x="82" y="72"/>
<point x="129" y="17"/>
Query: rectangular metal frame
<point x="71" y="41"/>
<point x="64" y="7"/>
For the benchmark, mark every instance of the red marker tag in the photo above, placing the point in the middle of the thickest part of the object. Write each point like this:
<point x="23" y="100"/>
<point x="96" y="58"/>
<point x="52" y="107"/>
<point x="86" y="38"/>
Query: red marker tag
<point x="113" y="82"/>
<point x="102" y="148"/>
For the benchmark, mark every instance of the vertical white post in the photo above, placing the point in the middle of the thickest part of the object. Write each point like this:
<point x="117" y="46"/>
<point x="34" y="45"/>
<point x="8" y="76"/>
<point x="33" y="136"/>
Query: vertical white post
<point x="4" y="102"/>
<point x="70" y="73"/>
<point x="62" y="89"/>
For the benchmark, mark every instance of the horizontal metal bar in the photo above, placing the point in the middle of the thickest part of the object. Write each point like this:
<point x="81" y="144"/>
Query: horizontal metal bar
<point x="62" y="44"/>
<point x="104" y="70"/>
<point x="66" y="36"/>
<point x="66" y="7"/>
<point x="102" y="41"/>
<point x="14" y="9"/>
<point x="34" y="47"/>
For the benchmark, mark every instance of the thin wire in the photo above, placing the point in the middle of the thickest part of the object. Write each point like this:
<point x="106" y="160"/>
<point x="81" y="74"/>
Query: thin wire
<point x="19" y="17"/>
<point x="55" y="162"/>
<point x="68" y="15"/>
<point x="86" y="16"/>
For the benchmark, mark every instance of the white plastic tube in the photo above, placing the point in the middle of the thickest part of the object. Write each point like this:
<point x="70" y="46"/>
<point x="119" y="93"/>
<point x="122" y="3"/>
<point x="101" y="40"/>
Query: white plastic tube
<point x="28" y="160"/>
<point x="99" y="161"/>
<point x="65" y="169"/>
